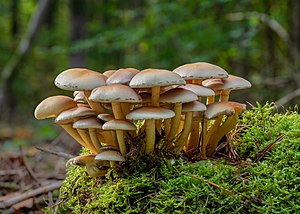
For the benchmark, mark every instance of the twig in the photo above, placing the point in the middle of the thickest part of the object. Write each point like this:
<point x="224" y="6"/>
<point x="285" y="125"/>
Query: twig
<point x="268" y="148"/>
<point x="287" y="98"/>
<point x="59" y="154"/>
<point x="29" y="194"/>
<point x="28" y="168"/>
<point x="209" y="182"/>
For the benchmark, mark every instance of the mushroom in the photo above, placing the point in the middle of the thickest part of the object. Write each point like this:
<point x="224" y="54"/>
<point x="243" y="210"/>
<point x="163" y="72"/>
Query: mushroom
<point x="122" y="76"/>
<point x="68" y="117"/>
<point x="214" y="110"/>
<point x="108" y="73"/>
<point x="54" y="106"/>
<point x="81" y="79"/>
<point x="92" y="124"/>
<point x="94" y="168"/>
<point x="119" y="126"/>
<point x="150" y="114"/>
<point x="188" y="109"/>
<point x="199" y="71"/>
<point x="115" y="94"/>
<point x="227" y="85"/>
<point x="176" y="96"/>
<point x="110" y="155"/>
<point x="226" y="127"/>
<point x="154" y="79"/>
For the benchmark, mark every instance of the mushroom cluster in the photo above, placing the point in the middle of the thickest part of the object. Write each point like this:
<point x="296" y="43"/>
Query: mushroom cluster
<point x="183" y="110"/>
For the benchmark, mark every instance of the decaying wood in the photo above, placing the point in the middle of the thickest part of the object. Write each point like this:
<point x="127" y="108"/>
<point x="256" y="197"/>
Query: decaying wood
<point x="26" y="195"/>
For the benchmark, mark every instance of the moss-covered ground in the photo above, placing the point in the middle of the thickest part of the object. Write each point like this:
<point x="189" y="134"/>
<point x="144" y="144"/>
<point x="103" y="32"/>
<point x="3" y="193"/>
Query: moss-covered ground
<point x="258" y="172"/>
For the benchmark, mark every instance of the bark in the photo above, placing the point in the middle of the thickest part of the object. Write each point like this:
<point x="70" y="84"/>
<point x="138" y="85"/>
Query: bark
<point x="78" y="19"/>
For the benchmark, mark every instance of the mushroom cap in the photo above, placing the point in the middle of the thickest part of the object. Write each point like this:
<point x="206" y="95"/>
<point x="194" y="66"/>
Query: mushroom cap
<point x="68" y="115"/>
<point x="79" y="79"/>
<point x="79" y="96"/>
<point x="105" y="117"/>
<point x="238" y="107"/>
<point x="115" y="93"/>
<point x="87" y="123"/>
<point x="231" y="83"/>
<point x="178" y="95"/>
<point x="155" y="77"/>
<point x="193" y="106"/>
<point x="53" y="106"/>
<point x="149" y="113"/>
<point x="122" y="76"/>
<point x="199" y="90"/>
<point x="108" y="73"/>
<point x="110" y="155"/>
<point x="118" y="124"/>
<point x="217" y="109"/>
<point x="200" y="70"/>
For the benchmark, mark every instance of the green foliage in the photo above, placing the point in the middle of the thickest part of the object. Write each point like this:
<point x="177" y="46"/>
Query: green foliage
<point x="268" y="186"/>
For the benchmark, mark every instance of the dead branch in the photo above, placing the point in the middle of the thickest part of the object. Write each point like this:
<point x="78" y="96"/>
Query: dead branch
<point x="59" y="154"/>
<point x="18" y="198"/>
<point x="287" y="98"/>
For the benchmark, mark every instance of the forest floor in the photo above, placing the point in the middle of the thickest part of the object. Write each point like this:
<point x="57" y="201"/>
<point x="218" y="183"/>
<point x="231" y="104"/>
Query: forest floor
<point x="29" y="177"/>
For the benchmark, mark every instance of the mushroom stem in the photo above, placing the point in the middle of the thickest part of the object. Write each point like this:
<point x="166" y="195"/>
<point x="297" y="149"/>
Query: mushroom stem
<point x="194" y="135"/>
<point x="213" y="128"/>
<point x="203" y="137"/>
<point x="185" y="133"/>
<point x="226" y="127"/>
<point x="150" y="136"/>
<point x="121" y="142"/>
<point x="155" y="92"/>
<point x="197" y="81"/>
<point x="175" y="121"/>
<point x="117" y="110"/>
<point x="125" y="108"/>
<point x="83" y="134"/>
<point x="167" y="126"/>
<point x="224" y="96"/>
<point x="97" y="107"/>
<point x="210" y="99"/>
<point x="73" y="133"/>
<point x="94" y="139"/>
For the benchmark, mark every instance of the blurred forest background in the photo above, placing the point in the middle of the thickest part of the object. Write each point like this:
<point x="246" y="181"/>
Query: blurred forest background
<point x="258" y="40"/>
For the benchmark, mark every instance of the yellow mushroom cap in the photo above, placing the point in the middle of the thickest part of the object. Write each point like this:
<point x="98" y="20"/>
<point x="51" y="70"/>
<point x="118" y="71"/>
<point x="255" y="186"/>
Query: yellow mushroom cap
<point x="194" y="106"/>
<point x="148" y="113"/>
<point x="219" y="108"/>
<point x="118" y="125"/>
<point x="70" y="114"/>
<point x="200" y="70"/>
<point x="53" y="106"/>
<point x="122" y="76"/>
<point x="231" y="83"/>
<point x="178" y="95"/>
<point x="155" y="77"/>
<point x="87" y="123"/>
<point x="79" y="79"/>
<point x="110" y="155"/>
<point x="115" y="93"/>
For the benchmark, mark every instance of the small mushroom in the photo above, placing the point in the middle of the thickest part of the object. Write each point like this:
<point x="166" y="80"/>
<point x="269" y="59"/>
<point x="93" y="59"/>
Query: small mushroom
<point x="94" y="168"/>
<point x="150" y="114"/>
<point x="112" y="156"/>
<point x="119" y="126"/>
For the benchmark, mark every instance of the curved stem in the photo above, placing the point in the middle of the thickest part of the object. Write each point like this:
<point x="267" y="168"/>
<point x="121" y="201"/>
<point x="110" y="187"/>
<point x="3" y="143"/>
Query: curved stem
<point x="167" y="126"/>
<point x="185" y="133"/>
<point x="86" y="138"/>
<point x="94" y="139"/>
<point x="226" y="127"/>
<point x="121" y="142"/>
<point x="97" y="107"/>
<point x="203" y="138"/>
<point x="224" y="96"/>
<point x="73" y="133"/>
<point x="213" y="128"/>
<point x="175" y="121"/>
<point x="194" y="135"/>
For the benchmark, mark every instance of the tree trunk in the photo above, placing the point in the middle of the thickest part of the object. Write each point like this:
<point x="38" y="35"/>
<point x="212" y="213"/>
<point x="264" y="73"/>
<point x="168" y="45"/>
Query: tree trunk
<point x="78" y="18"/>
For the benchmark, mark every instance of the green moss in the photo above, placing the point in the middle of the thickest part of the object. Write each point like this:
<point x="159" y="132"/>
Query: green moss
<point x="270" y="185"/>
